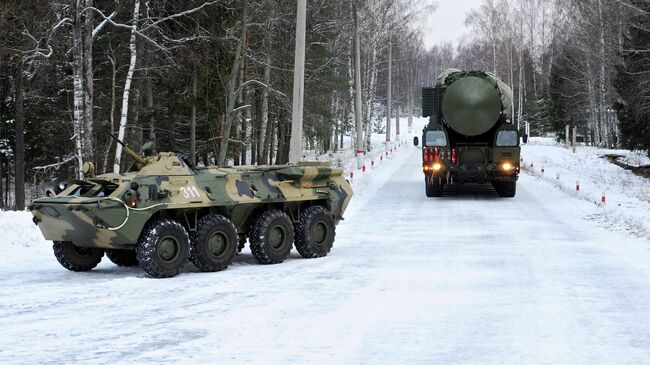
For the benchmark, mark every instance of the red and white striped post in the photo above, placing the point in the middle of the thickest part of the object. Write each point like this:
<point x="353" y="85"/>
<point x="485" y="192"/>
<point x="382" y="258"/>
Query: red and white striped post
<point x="363" y="168"/>
<point x="603" y="199"/>
<point x="578" y="185"/>
<point x="372" y="164"/>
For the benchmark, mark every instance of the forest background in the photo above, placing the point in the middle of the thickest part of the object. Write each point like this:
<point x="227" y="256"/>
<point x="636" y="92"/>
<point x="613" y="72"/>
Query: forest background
<point x="213" y="79"/>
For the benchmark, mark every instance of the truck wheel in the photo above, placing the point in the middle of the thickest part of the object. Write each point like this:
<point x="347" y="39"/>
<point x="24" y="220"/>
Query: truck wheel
<point x="214" y="243"/>
<point x="271" y="237"/>
<point x="124" y="258"/>
<point x="434" y="190"/>
<point x="76" y="258"/>
<point x="506" y="189"/>
<point x="314" y="233"/>
<point x="163" y="248"/>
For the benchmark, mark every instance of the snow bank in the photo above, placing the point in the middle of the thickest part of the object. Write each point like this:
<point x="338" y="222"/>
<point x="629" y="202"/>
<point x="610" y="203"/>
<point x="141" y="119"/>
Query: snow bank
<point x="18" y="230"/>
<point x="627" y="196"/>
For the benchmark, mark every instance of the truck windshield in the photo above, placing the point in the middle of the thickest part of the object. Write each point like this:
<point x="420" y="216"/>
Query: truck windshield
<point x="507" y="139"/>
<point x="436" y="139"/>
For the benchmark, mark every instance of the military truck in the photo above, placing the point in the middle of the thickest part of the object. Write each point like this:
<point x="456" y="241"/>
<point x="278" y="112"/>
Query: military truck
<point x="470" y="137"/>
<point x="162" y="212"/>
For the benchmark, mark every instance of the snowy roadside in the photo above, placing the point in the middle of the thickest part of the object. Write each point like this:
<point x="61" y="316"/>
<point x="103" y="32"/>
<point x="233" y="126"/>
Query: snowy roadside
<point x="626" y="195"/>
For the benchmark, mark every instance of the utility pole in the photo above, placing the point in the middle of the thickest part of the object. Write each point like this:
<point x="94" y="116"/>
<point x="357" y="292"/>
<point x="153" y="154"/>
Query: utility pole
<point x="389" y="93"/>
<point x="295" y="146"/>
<point x="357" y="92"/>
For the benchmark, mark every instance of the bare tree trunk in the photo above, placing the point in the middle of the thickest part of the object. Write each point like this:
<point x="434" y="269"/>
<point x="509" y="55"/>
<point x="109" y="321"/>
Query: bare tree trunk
<point x="235" y="72"/>
<point x="397" y="126"/>
<point x="389" y="92"/>
<point x="263" y="145"/>
<point x="19" y="164"/>
<point x="78" y="89"/>
<point x="88" y="134"/>
<point x="3" y="95"/>
<point x="357" y="79"/>
<point x="113" y="102"/>
<point x="370" y="96"/>
<point x="150" y="108"/>
<point x="351" y="87"/>
<point x="602" y="78"/>
<point x="127" y="86"/>
<point x="193" y="116"/>
<point x="171" y="116"/>
<point x="520" y="90"/>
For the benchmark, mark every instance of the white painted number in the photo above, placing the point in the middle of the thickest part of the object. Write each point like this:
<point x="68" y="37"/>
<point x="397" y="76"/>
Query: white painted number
<point x="190" y="192"/>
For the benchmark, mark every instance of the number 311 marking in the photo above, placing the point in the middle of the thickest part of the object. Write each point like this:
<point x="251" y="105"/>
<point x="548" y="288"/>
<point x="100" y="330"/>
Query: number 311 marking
<point x="190" y="192"/>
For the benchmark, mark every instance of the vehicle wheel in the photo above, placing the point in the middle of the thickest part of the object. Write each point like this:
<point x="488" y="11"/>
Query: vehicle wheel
<point x="124" y="258"/>
<point x="506" y="189"/>
<point x="314" y="233"/>
<point x="163" y="248"/>
<point x="214" y="243"/>
<point x="433" y="189"/>
<point x="76" y="258"/>
<point x="271" y="237"/>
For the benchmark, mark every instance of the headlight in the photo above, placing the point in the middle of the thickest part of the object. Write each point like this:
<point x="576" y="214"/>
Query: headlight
<point x="507" y="166"/>
<point x="437" y="167"/>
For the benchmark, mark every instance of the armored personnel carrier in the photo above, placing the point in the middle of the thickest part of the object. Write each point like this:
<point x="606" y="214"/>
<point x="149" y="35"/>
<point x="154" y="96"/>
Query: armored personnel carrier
<point x="470" y="137"/>
<point x="162" y="213"/>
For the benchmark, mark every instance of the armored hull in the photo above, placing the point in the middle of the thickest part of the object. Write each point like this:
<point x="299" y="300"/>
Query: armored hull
<point x="118" y="213"/>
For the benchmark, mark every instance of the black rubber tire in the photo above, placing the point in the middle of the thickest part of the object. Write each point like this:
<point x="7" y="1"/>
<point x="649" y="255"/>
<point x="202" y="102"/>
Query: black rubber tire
<point x="124" y="258"/>
<point x="76" y="258"/>
<point x="150" y="249"/>
<point x="306" y="243"/>
<point x="201" y="253"/>
<point x="264" y="230"/>
<point x="506" y="189"/>
<point x="433" y="189"/>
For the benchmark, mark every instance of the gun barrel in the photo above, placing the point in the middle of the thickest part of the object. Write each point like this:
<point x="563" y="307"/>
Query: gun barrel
<point x="129" y="151"/>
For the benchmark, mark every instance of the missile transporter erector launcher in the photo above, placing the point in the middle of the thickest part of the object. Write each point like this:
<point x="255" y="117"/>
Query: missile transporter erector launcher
<point x="470" y="138"/>
<point x="163" y="213"/>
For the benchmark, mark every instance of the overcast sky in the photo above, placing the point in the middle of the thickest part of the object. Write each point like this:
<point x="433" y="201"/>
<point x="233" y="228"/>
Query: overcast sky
<point x="447" y="24"/>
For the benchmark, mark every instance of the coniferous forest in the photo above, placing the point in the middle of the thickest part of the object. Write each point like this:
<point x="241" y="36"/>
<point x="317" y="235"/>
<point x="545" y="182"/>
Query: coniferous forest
<point x="214" y="79"/>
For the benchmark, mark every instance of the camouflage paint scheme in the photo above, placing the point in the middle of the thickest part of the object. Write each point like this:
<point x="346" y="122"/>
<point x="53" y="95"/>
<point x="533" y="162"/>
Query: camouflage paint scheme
<point x="97" y="212"/>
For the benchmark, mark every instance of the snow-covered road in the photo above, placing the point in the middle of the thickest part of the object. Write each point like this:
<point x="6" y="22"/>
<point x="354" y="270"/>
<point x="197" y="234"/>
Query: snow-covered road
<point x="465" y="279"/>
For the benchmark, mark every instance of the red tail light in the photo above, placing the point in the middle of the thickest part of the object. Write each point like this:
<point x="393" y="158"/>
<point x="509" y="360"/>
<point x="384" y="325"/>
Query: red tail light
<point x="454" y="156"/>
<point x="436" y="152"/>
<point x="426" y="155"/>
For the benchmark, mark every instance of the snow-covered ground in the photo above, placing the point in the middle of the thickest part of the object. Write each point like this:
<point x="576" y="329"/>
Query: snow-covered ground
<point x="627" y="196"/>
<point x="469" y="278"/>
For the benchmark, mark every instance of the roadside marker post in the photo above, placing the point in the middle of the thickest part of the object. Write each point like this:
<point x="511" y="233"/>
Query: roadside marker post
<point x="603" y="199"/>
<point x="578" y="185"/>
